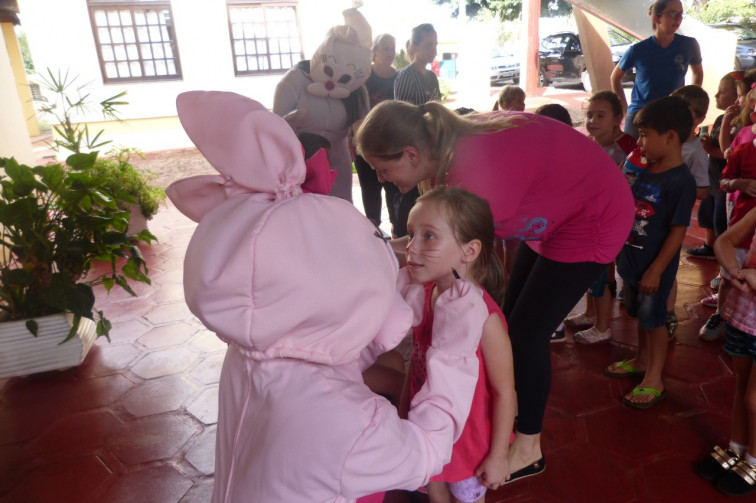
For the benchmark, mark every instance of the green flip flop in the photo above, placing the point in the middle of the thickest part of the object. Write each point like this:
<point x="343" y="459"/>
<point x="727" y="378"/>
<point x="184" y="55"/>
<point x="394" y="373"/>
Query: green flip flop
<point x="629" y="370"/>
<point x="658" y="397"/>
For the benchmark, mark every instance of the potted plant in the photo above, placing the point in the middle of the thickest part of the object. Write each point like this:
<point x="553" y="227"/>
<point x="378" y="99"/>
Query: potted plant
<point x="57" y="222"/>
<point x="64" y="100"/>
<point x="131" y="186"/>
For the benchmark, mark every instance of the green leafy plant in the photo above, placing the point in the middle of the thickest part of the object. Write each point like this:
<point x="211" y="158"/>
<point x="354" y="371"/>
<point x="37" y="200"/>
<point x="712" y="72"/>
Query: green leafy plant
<point x="128" y="183"/>
<point x="56" y="222"/>
<point x="401" y="59"/>
<point x="64" y="100"/>
<point x="722" y="11"/>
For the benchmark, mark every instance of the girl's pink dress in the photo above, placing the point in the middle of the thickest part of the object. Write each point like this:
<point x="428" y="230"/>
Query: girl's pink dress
<point x="472" y="447"/>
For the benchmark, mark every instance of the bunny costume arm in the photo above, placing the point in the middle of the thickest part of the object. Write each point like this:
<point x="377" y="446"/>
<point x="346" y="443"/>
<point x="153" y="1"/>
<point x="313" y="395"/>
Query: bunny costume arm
<point x="439" y="409"/>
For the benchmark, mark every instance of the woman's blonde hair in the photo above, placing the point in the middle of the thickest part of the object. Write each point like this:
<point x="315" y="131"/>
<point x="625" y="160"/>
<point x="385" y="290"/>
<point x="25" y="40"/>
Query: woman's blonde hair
<point x="470" y="218"/>
<point x="431" y="128"/>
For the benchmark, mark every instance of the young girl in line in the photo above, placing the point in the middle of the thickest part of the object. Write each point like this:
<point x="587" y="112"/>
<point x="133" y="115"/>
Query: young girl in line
<point x="712" y="212"/>
<point x="603" y="118"/>
<point x="510" y="98"/>
<point x="451" y="235"/>
<point x="736" y="123"/>
<point x="739" y="181"/>
<point x="737" y="116"/>
<point x="733" y="469"/>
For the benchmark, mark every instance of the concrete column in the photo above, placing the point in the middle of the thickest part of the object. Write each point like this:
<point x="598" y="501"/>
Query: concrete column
<point x="531" y="12"/>
<point x="14" y="135"/>
<point x="595" y="43"/>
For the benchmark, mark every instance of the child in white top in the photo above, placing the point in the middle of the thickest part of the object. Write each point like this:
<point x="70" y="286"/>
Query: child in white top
<point x="603" y="118"/>
<point x="695" y="158"/>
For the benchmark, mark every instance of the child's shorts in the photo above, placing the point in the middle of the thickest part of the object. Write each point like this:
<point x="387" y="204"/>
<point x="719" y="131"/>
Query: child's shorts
<point x="740" y="255"/>
<point x="651" y="310"/>
<point x="468" y="490"/>
<point x="739" y="343"/>
<point x="599" y="286"/>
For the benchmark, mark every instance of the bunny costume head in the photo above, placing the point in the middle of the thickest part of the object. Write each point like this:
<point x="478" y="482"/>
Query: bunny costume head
<point x="264" y="269"/>
<point x="342" y="62"/>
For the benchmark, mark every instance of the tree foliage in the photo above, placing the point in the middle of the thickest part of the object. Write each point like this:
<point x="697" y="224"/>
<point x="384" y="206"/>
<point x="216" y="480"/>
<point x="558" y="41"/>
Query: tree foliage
<point x="510" y="10"/>
<point x="722" y="11"/>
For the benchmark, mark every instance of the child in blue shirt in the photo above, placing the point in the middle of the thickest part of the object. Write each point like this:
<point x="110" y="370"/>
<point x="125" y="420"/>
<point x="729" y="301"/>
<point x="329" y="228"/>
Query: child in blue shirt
<point x="664" y="197"/>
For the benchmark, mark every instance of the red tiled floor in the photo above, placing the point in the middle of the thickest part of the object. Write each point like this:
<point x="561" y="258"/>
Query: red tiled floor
<point x="136" y="421"/>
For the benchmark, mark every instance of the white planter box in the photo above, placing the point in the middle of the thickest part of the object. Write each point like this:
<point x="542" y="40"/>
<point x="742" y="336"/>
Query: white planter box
<point x="137" y="222"/>
<point x="22" y="354"/>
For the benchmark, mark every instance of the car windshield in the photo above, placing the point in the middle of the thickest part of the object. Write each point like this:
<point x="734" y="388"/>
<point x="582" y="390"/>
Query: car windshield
<point x="556" y="42"/>
<point x="617" y="38"/>
<point x="741" y="32"/>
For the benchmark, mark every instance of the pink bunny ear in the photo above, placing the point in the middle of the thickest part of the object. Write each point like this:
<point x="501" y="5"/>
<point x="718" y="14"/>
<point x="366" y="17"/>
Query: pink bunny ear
<point x="196" y="195"/>
<point x="254" y="150"/>
<point x="242" y="140"/>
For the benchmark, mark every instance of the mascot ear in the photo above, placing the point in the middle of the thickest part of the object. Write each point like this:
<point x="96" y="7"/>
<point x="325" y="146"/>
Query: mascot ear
<point x="341" y="64"/>
<point x="359" y="24"/>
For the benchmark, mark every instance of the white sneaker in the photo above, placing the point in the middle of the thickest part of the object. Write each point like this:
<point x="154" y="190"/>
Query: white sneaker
<point x="580" y="320"/>
<point x="592" y="336"/>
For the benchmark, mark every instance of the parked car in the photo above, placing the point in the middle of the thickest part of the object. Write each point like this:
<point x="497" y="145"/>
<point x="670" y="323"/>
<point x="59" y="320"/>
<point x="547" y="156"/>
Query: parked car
<point x="504" y="67"/>
<point x="560" y="60"/>
<point x="745" y="52"/>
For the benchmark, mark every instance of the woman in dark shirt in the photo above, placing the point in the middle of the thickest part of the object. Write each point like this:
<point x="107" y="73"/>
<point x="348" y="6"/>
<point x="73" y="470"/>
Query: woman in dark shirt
<point x="380" y="86"/>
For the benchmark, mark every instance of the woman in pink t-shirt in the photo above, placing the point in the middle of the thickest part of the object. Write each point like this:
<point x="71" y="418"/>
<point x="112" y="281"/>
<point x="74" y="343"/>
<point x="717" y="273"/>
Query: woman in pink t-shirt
<point x="547" y="185"/>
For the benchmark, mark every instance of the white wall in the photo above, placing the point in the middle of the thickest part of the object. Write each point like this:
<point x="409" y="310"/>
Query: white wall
<point x="60" y="37"/>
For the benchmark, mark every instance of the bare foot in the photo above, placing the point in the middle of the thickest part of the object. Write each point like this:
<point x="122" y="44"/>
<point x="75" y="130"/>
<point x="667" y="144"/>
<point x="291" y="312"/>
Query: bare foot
<point x="646" y="394"/>
<point x="644" y="398"/>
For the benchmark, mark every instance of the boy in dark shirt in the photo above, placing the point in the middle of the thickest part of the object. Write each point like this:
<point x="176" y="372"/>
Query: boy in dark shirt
<point x="664" y="197"/>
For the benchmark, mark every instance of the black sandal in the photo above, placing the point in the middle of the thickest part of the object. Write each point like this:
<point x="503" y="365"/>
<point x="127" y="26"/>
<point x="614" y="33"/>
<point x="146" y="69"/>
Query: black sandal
<point x="717" y="464"/>
<point x="738" y="481"/>
<point x="528" y="471"/>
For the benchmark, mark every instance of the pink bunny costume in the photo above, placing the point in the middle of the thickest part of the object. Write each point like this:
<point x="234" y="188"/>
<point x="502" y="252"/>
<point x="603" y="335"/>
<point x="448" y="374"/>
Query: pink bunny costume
<point x="303" y="316"/>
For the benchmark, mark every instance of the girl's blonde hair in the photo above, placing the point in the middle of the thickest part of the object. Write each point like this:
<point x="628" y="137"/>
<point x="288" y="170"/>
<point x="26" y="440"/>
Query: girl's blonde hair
<point x="611" y="98"/>
<point x="508" y="93"/>
<point x="431" y="128"/>
<point x="745" y="86"/>
<point x="745" y="114"/>
<point x="470" y="218"/>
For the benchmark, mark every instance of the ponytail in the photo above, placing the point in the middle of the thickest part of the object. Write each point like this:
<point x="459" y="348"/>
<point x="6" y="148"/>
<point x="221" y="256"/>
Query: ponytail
<point x="392" y="125"/>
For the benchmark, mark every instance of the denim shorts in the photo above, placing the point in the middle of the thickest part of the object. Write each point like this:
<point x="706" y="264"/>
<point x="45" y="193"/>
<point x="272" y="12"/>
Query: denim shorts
<point x="467" y="490"/>
<point x="598" y="287"/>
<point x="651" y="310"/>
<point x="739" y="343"/>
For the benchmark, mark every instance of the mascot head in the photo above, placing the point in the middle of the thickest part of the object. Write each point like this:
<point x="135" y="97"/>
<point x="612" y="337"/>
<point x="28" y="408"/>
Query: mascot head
<point x="342" y="62"/>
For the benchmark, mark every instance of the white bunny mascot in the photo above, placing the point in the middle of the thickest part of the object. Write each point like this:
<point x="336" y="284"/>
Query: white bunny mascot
<point x="326" y="94"/>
